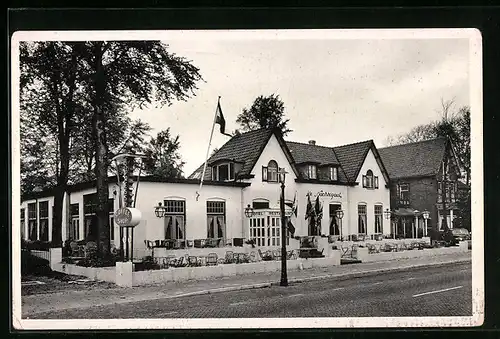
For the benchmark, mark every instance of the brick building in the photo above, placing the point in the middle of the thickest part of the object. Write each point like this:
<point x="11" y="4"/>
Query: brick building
<point x="417" y="177"/>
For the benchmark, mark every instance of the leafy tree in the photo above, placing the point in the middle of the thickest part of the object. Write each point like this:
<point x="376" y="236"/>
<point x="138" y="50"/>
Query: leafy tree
<point x="162" y="156"/>
<point x="132" y="72"/>
<point x="49" y="89"/>
<point x="265" y="112"/>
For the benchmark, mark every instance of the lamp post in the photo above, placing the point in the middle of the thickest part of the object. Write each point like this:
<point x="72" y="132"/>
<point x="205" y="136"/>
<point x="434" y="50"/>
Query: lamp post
<point x="284" y="278"/>
<point x="388" y="214"/>
<point x="415" y="232"/>
<point x="340" y="215"/>
<point x="426" y="216"/>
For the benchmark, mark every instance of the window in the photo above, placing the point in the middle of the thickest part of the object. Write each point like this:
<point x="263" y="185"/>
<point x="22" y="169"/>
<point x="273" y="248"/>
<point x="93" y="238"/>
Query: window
<point x="32" y="222"/>
<point x="333" y="173"/>
<point x="362" y="219"/>
<point x="369" y="180"/>
<point x="216" y="219"/>
<point x="89" y="217"/>
<point x="450" y="190"/>
<point x="378" y="219"/>
<point x="311" y="171"/>
<point x="265" y="230"/>
<point x="270" y="173"/>
<point x="335" y="221"/>
<point x="223" y="172"/>
<point x="111" y="218"/>
<point x="260" y="205"/>
<point x="175" y="217"/>
<point x="404" y="194"/>
<point x="43" y="210"/>
<point x="74" y="228"/>
<point x="23" y="223"/>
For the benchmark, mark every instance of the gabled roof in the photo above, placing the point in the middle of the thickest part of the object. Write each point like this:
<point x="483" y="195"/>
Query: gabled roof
<point x="307" y="153"/>
<point x="352" y="157"/>
<point x="244" y="148"/>
<point x="421" y="158"/>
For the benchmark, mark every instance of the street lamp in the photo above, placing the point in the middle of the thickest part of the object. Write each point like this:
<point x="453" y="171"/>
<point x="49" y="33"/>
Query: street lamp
<point x="284" y="279"/>
<point x="249" y="211"/>
<point x="415" y="229"/>
<point x="159" y="210"/>
<point x="425" y="214"/>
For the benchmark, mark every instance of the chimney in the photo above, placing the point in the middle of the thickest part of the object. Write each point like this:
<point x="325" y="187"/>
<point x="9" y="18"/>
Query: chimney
<point x="312" y="142"/>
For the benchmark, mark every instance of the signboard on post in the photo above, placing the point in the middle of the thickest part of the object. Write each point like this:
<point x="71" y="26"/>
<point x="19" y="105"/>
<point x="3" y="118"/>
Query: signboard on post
<point x="127" y="216"/>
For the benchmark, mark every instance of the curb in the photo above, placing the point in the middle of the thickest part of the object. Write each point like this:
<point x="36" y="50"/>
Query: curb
<point x="343" y="276"/>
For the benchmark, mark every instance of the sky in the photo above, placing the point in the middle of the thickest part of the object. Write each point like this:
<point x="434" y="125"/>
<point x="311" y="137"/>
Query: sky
<point x="337" y="89"/>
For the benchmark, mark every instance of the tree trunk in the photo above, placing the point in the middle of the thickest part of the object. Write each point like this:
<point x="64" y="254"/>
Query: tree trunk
<point x="101" y="156"/>
<point x="443" y="193"/>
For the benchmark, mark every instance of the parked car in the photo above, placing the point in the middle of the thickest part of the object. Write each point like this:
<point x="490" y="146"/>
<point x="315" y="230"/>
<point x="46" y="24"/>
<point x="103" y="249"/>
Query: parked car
<point x="461" y="234"/>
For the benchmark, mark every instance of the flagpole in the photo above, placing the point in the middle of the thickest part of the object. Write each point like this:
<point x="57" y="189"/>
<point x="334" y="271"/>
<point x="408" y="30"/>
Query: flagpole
<point x="208" y="150"/>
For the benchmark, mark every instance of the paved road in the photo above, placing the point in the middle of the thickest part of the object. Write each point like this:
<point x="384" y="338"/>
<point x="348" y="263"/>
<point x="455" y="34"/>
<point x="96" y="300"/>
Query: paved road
<point x="431" y="291"/>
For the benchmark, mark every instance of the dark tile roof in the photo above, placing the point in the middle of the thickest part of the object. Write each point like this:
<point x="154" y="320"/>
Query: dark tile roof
<point x="245" y="148"/>
<point x="415" y="159"/>
<point x="352" y="156"/>
<point x="303" y="153"/>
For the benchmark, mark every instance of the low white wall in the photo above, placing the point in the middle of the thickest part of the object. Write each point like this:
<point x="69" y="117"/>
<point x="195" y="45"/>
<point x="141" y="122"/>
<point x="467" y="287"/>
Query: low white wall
<point x="94" y="273"/>
<point x="363" y="255"/>
<point x="226" y="270"/>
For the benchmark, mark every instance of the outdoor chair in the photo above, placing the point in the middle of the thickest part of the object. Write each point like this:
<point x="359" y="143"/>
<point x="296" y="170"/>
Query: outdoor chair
<point x="202" y="260"/>
<point x="277" y="254"/>
<point x="192" y="261"/>
<point x="229" y="258"/>
<point x="242" y="258"/>
<point x="253" y="257"/>
<point x="212" y="259"/>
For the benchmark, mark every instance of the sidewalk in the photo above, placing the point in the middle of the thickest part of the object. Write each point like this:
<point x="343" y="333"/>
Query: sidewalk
<point x="39" y="303"/>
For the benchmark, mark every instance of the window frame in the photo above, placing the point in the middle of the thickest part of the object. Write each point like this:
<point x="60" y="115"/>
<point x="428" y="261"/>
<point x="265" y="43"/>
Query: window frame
<point x="362" y="216"/>
<point x="172" y="215"/>
<point x="23" y="223"/>
<point x="74" y="231"/>
<point x="312" y="171"/>
<point x="401" y="191"/>
<point x="43" y="220"/>
<point x="333" y="214"/>
<point x="272" y="171"/>
<point x="213" y="214"/>
<point x="333" y="173"/>
<point x="32" y="221"/>
<point x="230" y="171"/>
<point x="378" y="216"/>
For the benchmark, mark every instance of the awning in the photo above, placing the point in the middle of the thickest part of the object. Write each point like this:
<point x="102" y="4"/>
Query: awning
<point x="406" y="212"/>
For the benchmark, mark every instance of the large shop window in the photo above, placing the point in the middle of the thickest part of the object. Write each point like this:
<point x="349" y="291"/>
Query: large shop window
<point x="74" y="228"/>
<point x="266" y="231"/>
<point x="23" y="223"/>
<point x="362" y="219"/>
<point x="270" y="173"/>
<point x="378" y="219"/>
<point x="223" y="172"/>
<point x="32" y="222"/>
<point x="216" y="219"/>
<point x="335" y="221"/>
<point x="43" y="209"/>
<point x="175" y="219"/>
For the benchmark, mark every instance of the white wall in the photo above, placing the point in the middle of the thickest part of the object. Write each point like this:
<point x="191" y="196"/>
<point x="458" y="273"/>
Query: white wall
<point x="152" y="228"/>
<point x="370" y="197"/>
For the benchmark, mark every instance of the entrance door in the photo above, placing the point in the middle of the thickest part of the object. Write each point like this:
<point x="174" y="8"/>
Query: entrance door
<point x="335" y="221"/>
<point x="265" y="230"/>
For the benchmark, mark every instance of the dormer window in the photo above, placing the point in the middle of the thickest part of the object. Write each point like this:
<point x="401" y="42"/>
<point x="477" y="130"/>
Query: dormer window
<point x="223" y="172"/>
<point x="333" y="173"/>
<point x="369" y="180"/>
<point x="311" y="171"/>
<point x="270" y="173"/>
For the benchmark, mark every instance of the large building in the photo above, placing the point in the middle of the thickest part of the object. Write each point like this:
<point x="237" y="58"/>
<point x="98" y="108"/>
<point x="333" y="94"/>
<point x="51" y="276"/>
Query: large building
<point x="419" y="181"/>
<point x="350" y="182"/>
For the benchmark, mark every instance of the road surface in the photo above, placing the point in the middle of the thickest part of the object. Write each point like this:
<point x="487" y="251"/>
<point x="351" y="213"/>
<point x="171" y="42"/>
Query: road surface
<point x="428" y="291"/>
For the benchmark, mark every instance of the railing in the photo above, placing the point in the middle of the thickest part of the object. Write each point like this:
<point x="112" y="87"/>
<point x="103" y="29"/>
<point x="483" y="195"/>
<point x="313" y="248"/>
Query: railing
<point x="41" y="254"/>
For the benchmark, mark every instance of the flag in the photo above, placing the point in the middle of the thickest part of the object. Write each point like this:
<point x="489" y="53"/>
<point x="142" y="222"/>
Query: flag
<point x="309" y="208"/>
<point x="291" y="228"/>
<point x="293" y="205"/>
<point x="318" y="209"/>
<point x="219" y="119"/>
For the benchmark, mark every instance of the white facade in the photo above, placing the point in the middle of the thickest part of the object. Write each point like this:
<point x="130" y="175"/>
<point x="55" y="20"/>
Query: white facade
<point x="235" y="198"/>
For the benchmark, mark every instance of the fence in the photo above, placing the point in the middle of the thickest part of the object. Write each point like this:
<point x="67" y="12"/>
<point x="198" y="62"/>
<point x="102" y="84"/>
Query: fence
<point x="41" y="254"/>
